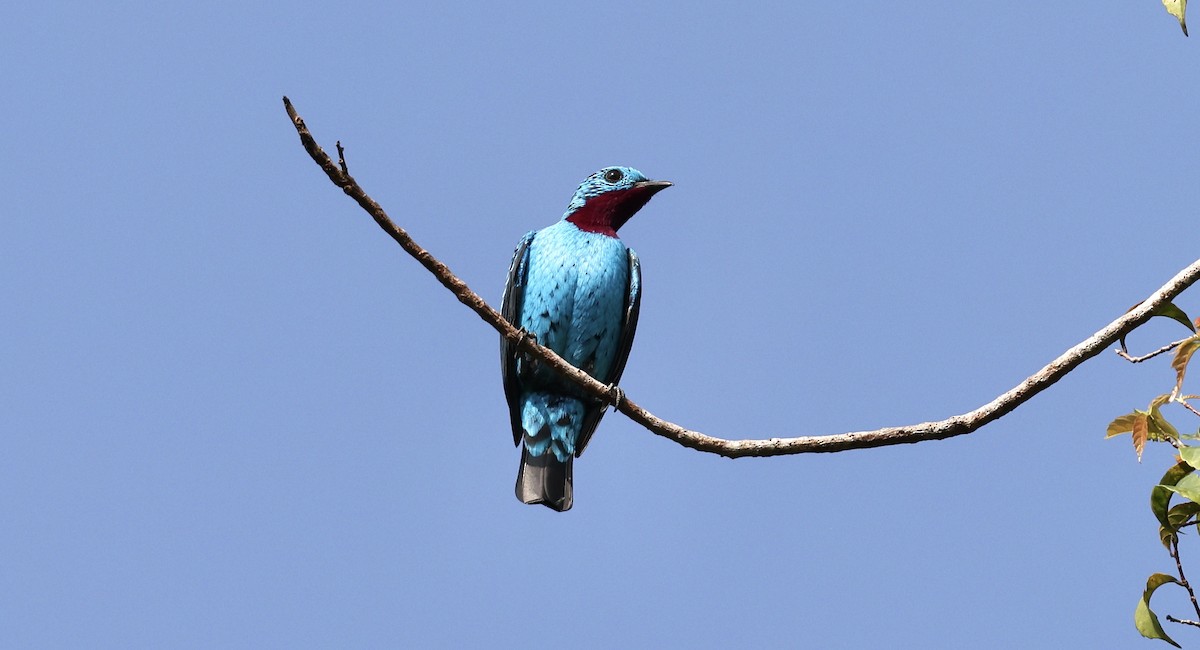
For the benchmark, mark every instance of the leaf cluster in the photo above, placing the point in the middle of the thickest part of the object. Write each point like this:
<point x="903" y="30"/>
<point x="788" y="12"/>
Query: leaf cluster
<point x="1150" y="425"/>
<point x="1182" y="480"/>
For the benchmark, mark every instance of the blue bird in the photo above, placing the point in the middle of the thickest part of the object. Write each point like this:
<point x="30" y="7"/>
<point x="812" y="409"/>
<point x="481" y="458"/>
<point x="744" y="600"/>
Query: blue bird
<point x="577" y="289"/>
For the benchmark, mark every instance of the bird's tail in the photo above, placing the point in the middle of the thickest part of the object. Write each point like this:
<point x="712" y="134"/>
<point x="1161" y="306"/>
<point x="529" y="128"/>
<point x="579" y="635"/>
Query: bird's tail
<point x="546" y="480"/>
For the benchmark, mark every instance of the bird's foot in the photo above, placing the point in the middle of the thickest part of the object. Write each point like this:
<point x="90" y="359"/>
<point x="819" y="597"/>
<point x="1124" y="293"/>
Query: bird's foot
<point x="616" y="395"/>
<point x="522" y="335"/>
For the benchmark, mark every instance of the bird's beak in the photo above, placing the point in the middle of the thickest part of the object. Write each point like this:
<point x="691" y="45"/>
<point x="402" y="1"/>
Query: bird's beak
<point x="653" y="187"/>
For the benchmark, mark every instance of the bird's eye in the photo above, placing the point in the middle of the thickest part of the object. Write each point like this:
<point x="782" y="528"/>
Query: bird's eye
<point x="613" y="175"/>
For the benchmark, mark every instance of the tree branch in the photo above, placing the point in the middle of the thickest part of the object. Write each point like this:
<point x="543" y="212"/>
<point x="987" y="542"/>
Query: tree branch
<point x="953" y="426"/>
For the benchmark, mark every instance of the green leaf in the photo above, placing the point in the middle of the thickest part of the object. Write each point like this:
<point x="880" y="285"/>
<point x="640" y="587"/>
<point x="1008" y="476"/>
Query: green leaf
<point x="1160" y="496"/>
<point x="1190" y="455"/>
<point x="1123" y="424"/>
<point x="1177" y="8"/>
<point x="1160" y="429"/>
<point x="1145" y="620"/>
<point x="1182" y="513"/>
<point x="1167" y="309"/>
<point x="1183" y="355"/>
<point x="1178" y="516"/>
<point x="1188" y="488"/>
<point x="1167" y="537"/>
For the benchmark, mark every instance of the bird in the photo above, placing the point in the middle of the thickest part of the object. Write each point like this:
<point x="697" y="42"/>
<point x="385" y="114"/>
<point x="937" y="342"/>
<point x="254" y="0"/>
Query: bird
<point x="577" y="289"/>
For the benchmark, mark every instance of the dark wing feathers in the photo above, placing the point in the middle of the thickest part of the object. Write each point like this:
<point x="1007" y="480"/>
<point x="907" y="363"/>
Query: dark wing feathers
<point x="633" y="307"/>
<point x="510" y="308"/>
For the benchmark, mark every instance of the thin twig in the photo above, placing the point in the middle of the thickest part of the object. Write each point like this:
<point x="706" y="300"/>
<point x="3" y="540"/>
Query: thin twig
<point x="1164" y="349"/>
<point x="1187" y="405"/>
<point x="1183" y="579"/>
<point x="342" y="158"/>
<point x="1182" y="620"/>
<point x="953" y="426"/>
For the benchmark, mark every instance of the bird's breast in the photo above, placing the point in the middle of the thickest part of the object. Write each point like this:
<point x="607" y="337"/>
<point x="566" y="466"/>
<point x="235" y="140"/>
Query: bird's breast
<point x="575" y="294"/>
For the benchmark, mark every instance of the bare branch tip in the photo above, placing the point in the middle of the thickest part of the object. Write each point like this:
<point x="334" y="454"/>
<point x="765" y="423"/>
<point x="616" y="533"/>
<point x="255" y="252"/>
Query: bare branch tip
<point x="342" y="159"/>
<point x="291" y="110"/>
<point x="1182" y="621"/>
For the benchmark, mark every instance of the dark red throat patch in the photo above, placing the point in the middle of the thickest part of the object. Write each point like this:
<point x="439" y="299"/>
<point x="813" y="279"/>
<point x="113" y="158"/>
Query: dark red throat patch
<point x="606" y="213"/>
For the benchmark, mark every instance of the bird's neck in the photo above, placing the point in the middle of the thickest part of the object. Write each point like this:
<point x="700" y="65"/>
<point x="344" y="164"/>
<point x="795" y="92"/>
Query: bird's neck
<point x="606" y="213"/>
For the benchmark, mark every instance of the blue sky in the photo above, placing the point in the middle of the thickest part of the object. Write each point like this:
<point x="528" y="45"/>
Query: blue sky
<point x="234" y="414"/>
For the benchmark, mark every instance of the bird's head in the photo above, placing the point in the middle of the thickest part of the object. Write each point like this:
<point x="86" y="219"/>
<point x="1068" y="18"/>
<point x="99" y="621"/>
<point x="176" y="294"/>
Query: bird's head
<point x="608" y="198"/>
